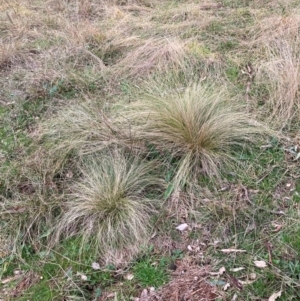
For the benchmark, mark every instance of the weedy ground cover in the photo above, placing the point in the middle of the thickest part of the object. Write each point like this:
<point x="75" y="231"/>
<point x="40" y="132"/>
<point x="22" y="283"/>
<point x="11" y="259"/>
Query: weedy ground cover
<point x="149" y="150"/>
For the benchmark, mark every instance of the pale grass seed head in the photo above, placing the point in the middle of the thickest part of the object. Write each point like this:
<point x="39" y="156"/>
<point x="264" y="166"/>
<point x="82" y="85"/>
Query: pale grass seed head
<point x="109" y="207"/>
<point x="199" y="127"/>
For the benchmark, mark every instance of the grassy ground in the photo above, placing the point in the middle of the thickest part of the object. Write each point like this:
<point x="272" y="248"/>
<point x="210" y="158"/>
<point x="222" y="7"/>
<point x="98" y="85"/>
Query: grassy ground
<point x="120" y="121"/>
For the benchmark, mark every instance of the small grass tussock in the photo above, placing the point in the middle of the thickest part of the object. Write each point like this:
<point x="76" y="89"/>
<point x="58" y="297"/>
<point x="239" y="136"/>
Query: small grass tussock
<point x="109" y="208"/>
<point x="198" y="127"/>
<point x="160" y="54"/>
<point x="80" y="129"/>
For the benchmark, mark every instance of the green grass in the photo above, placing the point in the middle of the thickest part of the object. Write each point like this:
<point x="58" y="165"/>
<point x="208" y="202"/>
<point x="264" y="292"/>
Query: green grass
<point x="150" y="274"/>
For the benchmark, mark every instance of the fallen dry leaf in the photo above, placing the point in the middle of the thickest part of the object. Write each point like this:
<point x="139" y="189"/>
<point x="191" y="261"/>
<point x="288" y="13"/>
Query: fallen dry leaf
<point x="82" y="276"/>
<point x="246" y="282"/>
<point x="260" y="263"/>
<point x="9" y="279"/>
<point x="95" y="266"/>
<point x="220" y="272"/>
<point x="231" y="250"/>
<point x="274" y="296"/>
<point x="129" y="276"/>
<point x="277" y="227"/>
<point x="144" y="295"/>
<point x="182" y="227"/>
<point x="226" y="286"/>
<point x="237" y="269"/>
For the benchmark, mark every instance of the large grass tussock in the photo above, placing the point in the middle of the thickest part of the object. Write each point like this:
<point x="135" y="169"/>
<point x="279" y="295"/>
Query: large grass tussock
<point x="199" y="127"/>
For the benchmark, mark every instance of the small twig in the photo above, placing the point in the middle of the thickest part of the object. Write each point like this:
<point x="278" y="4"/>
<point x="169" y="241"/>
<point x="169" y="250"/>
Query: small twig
<point x="10" y="19"/>
<point x="196" y="291"/>
<point x="266" y="174"/>
<point x="269" y="252"/>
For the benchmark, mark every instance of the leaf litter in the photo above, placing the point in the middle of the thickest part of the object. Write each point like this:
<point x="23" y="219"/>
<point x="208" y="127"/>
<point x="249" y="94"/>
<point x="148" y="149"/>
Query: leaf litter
<point x="190" y="282"/>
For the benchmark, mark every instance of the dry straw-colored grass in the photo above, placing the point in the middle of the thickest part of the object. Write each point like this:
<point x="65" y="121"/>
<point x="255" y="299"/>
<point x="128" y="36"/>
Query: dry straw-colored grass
<point x="281" y="73"/>
<point x="109" y="207"/>
<point x="81" y="130"/>
<point x="279" y="69"/>
<point x="159" y="54"/>
<point x="199" y="127"/>
<point x="50" y="43"/>
<point x="30" y="206"/>
<point x="186" y="19"/>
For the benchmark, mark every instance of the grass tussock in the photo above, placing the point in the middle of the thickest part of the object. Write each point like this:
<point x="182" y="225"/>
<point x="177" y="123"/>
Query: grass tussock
<point x="279" y="69"/>
<point x="110" y="207"/>
<point x="277" y="26"/>
<point x="282" y="73"/>
<point x="155" y="53"/>
<point x="198" y="127"/>
<point x="278" y="44"/>
<point x="81" y="129"/>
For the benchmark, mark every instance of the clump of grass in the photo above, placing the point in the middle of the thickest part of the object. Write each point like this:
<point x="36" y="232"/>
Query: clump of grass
<point x="281" y="73"/>
<point x="155" y="53"/>
<point x="109" y="208"/>
<point x="279" y="69"/>
<point x="80" y="129"/>
<point x="198" y="127"/>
